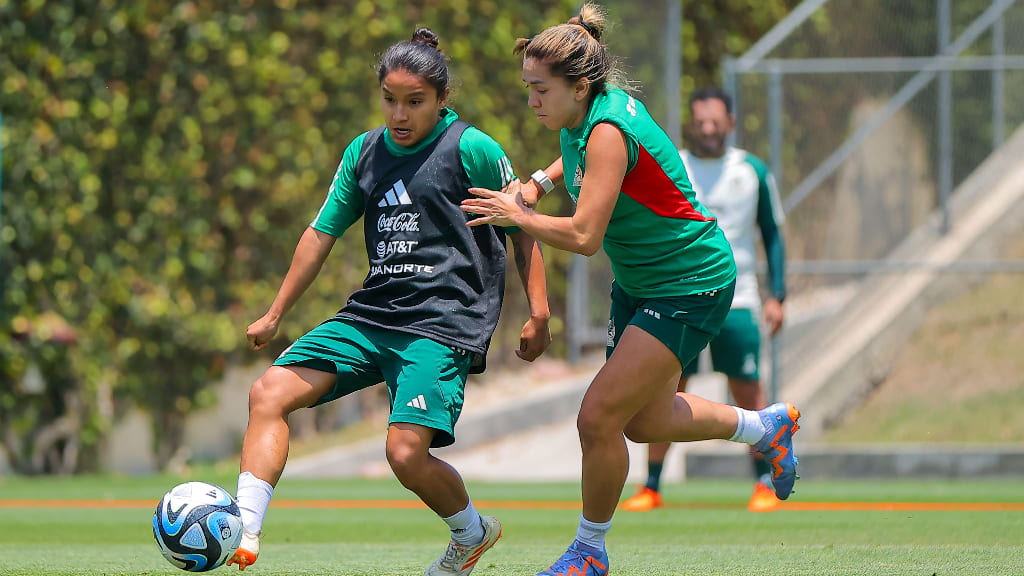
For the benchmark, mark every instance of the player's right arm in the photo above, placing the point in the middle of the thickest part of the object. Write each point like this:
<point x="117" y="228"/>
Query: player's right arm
<point x="312" y="250"/>
<point x="342" y="207"/>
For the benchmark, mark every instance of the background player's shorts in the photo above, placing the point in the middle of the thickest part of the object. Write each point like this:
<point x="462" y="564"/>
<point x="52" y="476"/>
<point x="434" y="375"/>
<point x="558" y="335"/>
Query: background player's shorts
<point x="736" y="351"/>
<point x="683" y="323"/>
<point x="426" y="380"/>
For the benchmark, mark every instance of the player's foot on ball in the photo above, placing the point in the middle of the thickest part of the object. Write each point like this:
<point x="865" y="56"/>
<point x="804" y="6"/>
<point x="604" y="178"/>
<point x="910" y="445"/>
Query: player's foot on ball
<point x="780" y="423"/>
<point x="645" y="499"/>
<point x="459" y="560"/>
<point x="579" y="560"/>
<point x="763" y="499"/>
<point x="248" y="550"/>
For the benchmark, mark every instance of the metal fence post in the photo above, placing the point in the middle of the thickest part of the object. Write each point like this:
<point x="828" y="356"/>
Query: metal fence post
<point x="775" y="119"/>
<point x="576" y="307"/>
<point x="998" y="83"/>
<point x="673" y="70"/>
<point x="731" y="85"/>
<point x="945" y="118"/>
<point x="1" y="200"/>
<point x="775" y="128"/>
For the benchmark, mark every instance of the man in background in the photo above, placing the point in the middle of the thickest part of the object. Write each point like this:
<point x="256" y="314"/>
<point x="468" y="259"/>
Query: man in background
<point x="740" y="191"/>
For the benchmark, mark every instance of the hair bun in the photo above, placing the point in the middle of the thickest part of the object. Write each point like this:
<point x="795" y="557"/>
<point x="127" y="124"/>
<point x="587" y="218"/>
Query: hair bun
<point x="426" y="36"/>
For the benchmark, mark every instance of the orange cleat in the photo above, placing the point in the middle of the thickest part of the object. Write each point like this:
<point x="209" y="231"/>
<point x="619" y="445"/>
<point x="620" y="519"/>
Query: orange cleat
<point x="459" y="560"/>
<point x="644" y="500"/>
<point x="763" y="499"/>
<point x="248" y="550"/>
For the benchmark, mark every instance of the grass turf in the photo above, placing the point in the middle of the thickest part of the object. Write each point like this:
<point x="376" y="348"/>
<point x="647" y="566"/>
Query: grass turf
<point x="710" y="534"/>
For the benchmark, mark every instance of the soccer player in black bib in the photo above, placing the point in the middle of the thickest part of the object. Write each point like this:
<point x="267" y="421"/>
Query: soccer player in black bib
<point x="422" y="321"/>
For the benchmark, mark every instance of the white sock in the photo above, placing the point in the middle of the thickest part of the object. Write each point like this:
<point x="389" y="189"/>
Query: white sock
<point x="467" y="527"/>
<point x="592" y="533"/>
<point x="253" y="500"/>
<point x="749" y="428"/>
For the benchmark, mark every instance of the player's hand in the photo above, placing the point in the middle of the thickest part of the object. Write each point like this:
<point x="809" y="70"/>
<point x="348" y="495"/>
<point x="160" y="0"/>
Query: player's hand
<point x="534" y="339"/>
<point x="495" y="207"/>
<point x="262" y="331"/>
<point x="773" y="315"/>
<point x="529" y="191"/>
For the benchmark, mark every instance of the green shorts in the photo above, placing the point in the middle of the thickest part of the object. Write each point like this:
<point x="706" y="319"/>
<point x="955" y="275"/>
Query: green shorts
<point x="426" y="380"/>
<point x="736" y="351"/>
<point x="683" y="323"/>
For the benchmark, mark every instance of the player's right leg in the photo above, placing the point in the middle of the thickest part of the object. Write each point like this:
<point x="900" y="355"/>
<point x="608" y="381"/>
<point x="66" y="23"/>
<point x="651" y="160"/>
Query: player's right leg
<point x="279" y="392"/>
<point x="749" y="395"/>
<point x="330" y="361"/>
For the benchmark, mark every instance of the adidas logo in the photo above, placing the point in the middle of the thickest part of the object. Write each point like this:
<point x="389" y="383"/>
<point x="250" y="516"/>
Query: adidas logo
<point x="418" y="402"/>
<point x="577" y="180"/>
<point x="396" y="196"/>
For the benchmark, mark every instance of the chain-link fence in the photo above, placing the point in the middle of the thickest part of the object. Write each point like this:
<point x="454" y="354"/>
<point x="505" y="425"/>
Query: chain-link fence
<point x="871" y="114"/>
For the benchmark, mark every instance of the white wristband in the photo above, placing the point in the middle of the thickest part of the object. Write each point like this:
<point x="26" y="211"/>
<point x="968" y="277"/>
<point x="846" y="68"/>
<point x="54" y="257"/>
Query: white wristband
<point x="541" y="177"/>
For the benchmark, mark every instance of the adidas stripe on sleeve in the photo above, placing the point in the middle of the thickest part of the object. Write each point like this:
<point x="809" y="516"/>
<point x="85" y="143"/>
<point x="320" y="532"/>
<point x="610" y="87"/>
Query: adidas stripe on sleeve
<point x="484" y="160"/>
<point x="344" y="203"/>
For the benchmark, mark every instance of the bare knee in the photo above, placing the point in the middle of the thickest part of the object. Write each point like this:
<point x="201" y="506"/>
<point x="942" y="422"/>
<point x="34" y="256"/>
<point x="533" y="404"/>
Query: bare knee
<point x="265" y="397"/>
<point x="595" y="425"/>
<point x="407" y="461"/>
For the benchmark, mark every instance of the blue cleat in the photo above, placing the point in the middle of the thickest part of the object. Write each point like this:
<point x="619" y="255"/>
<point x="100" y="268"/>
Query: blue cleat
<point x="780" y="423"/>
<point x="579" y="560"/>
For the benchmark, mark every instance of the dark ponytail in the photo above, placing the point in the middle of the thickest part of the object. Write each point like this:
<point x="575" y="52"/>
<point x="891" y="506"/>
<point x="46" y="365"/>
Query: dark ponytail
<point x="419" y="56"/>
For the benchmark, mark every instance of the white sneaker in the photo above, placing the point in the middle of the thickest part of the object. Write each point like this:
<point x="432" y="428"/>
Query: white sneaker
<point x="248" y="550"/>
<point x="459" y="560"/>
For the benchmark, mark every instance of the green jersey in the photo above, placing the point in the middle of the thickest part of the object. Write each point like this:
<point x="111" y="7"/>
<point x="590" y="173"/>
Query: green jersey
<point x="660" y="240"/>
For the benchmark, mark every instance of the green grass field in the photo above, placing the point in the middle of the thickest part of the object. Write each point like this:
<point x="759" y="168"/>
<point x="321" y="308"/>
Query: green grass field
<point x="705" y="532"/>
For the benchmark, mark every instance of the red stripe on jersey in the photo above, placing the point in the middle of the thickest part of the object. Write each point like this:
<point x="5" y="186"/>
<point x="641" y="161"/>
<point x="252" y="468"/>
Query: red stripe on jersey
<point x="648" y="184"/>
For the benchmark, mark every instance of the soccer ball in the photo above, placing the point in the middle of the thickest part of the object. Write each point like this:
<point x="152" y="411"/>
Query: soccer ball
<point x="197" y="526"/>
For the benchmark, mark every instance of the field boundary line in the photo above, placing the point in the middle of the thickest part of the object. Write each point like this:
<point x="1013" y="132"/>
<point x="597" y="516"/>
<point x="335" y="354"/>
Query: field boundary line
<point x="98" y="503"/>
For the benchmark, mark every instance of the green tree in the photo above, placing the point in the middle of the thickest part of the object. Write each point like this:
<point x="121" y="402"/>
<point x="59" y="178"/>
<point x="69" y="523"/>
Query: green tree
<point x="161" y="160"/>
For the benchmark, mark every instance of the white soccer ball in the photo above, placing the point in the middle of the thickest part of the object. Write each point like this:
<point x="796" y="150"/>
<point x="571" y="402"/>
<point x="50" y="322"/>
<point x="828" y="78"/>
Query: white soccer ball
<point x="197" y="526"/>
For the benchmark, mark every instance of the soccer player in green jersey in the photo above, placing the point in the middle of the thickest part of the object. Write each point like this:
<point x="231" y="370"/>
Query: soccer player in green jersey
<point x="674" y="274"/>
<point x="740" y="191"/>
<point x="422" y="321"/>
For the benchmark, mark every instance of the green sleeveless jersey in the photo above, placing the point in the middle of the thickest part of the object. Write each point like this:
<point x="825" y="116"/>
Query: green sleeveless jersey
<point x="660" y="240"/>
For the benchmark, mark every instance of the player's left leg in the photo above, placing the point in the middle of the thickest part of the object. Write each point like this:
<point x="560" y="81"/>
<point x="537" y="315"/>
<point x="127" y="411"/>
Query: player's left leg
<point x="427" y="382"/>
<point x="443" y="491"/>
<point x="648" y="497"/>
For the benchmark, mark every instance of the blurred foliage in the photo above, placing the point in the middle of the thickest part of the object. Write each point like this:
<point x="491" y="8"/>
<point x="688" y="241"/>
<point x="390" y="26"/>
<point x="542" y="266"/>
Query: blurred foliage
<point x="160" y="161"/>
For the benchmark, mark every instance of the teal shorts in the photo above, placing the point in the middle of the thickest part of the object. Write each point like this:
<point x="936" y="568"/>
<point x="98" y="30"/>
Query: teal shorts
<point x="736" y="351"/>
<point x="426" y="380"/>
<point x="685" y="324"/>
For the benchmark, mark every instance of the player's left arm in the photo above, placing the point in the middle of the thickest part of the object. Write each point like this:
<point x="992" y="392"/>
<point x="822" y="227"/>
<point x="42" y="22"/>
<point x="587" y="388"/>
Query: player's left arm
<point x="487" y="166"/>
<point x="770" y="218"/>
<point x="536" y="334"/>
